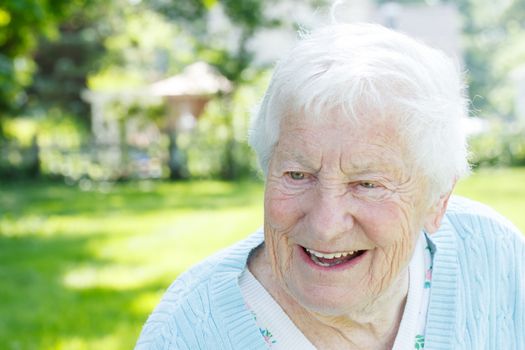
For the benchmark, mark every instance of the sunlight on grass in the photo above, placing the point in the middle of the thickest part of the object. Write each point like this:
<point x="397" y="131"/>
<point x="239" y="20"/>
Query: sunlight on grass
<point x="166" y="250"/>
<point x="83" y="269"/>
<point x="502" y="189"/>
<point x="111" y="341"/>
<point x="116" y="277"/>
<point x="146" y="302"/>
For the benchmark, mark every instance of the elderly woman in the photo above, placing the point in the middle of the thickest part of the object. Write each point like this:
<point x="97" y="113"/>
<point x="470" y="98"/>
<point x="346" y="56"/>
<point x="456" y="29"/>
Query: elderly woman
<point x="360" y="141"/>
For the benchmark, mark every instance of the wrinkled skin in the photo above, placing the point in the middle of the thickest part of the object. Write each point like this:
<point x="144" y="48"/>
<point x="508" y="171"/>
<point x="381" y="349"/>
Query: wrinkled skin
<point x="334" y="186"/>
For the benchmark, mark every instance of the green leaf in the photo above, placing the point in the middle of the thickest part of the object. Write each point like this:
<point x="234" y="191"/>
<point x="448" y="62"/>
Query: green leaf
<point x="209" y="3"/>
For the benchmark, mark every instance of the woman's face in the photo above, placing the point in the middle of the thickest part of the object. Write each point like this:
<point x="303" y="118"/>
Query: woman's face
<point x="343" y="208"/>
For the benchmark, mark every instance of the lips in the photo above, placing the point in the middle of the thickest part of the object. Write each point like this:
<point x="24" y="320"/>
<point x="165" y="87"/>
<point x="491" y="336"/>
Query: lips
<point x="332" y="259"/>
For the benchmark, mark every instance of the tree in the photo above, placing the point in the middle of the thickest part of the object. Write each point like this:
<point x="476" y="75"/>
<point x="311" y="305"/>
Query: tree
<point x="43" y="47"/>
<point x="62" y="66"/>
<point x="246" y="17"/>
<point x="19" y="21"/>
<point x="494" y="33"/>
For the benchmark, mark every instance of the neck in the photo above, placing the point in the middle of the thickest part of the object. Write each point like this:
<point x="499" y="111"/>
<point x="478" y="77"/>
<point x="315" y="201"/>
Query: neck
<point x="372" y="326"/>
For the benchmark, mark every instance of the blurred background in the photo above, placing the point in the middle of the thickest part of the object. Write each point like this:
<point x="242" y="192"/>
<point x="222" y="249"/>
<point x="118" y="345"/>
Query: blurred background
<point x="123" y="154"/>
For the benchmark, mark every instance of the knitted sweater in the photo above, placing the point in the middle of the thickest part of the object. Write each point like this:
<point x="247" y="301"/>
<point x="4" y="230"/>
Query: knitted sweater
<point x="477" y="297"/>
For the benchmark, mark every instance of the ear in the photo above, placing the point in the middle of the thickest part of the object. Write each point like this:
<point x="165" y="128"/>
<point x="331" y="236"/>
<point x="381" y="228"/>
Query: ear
<point x="436" y="213"/>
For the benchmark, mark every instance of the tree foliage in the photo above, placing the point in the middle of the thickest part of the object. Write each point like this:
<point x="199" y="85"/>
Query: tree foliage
<point x="46" y="49"/>
<point x="247" y="17"/>
<point x="21" y="24"/>
<point x="494" y="33"/>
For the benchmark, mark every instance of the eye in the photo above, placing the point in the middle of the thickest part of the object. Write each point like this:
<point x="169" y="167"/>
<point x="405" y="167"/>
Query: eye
<point x="371" y="190"/>
<point x="367" y="185"/>
<point x="296" y="175"/>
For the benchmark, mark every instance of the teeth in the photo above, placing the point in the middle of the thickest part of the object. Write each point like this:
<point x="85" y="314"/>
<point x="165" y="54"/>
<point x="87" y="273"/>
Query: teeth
<point x="329" y="255"/>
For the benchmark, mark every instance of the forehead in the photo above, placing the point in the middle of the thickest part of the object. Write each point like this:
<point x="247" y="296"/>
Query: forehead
<point x="365" y="143"/>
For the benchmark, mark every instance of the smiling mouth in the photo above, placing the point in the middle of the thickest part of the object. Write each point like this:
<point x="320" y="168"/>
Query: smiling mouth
<point x="332" y="259"/>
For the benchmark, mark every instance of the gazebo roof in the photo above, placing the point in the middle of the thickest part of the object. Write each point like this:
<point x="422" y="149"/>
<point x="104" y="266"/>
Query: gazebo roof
<point x="196" y="80"/>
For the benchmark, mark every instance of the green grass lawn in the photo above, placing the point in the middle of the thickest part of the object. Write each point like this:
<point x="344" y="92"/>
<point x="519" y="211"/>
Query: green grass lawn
<point x="83" y="269"/>
<point x="502" y="189"/>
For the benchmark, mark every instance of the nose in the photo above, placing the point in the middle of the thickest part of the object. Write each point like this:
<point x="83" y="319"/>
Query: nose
<point x="330" y="216"/>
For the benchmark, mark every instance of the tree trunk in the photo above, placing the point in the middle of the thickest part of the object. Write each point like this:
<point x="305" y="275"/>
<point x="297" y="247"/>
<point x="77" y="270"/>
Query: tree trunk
<point x="176" y="162"/>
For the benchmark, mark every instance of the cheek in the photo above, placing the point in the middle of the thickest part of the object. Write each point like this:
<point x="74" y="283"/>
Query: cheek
<point x="281" y="212"/>
<point x="393" y="229"/>
<point x="386" y="224"/>
<point x="282" y="215"/>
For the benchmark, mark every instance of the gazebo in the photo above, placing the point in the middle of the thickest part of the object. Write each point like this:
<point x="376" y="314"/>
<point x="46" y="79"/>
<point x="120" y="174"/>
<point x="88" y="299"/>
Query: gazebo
<point x="185" y="95"/>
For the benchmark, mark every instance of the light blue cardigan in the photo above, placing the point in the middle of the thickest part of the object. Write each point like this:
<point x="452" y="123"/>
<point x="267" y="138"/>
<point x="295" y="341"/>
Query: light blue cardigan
<point x="477" y="298"/>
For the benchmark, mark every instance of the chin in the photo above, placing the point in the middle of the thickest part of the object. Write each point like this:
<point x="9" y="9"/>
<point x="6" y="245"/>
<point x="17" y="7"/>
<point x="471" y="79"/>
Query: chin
<point x="330" y="292"/>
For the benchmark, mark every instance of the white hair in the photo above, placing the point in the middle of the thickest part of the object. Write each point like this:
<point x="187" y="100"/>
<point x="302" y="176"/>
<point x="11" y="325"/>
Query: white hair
<point x="358" y="68"/>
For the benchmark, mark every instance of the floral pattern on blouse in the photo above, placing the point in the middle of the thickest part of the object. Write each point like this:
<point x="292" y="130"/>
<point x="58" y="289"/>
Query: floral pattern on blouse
<point x="420" y="342"/>
<point x="420" y="338"/>
<point x="428" y="272"/>
<point x="267" y="335"/>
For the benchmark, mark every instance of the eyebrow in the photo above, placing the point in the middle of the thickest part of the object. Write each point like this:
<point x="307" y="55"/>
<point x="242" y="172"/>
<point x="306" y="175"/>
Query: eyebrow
<point x="299" y="158"/>
<point x="378" y="166"/>
<point x="355" y="166"/>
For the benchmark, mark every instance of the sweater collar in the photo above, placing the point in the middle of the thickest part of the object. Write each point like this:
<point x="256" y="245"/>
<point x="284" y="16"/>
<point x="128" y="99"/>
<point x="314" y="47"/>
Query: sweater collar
<point x="441" y="317"/>
<point x="240" y="327"/>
